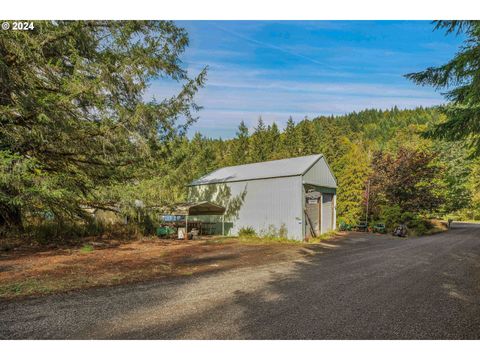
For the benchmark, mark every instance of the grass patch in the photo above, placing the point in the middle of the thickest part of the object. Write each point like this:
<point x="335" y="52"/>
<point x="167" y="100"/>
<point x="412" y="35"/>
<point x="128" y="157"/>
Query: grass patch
<point x="87" y="248"/>
<point x="265" y="240"/>
<point x="216" y="241"/>
<point x="434" y="226"/>
<point x="270" y="240"/>
<point x="323" y="237"/>
<point x="28" y="287"/>
<point x="252" y="240"/>
<point x="247" y="232"/>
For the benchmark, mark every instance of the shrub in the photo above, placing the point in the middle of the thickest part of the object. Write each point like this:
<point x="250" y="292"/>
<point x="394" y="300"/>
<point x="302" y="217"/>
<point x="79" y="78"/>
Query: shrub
<point x="269" y="235"/>
<point x="270" y="232"/>
<point x="49" y="232"/>
<point x="147" y="226"/>
<point x="391" y="216"/>
<point x="420" y="226"/>
<point x="247" y="232"/>
<point x="283" y="232"/>
<point x="343" y="225"/>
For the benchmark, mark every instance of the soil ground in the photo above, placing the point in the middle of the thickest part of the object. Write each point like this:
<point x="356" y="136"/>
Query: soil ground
<point x="362" y="286"/>
<point x="33" y="272"/>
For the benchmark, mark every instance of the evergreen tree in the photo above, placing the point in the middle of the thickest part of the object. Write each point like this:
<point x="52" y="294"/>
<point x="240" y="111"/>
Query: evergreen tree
<point x="240" y="145"/>
<point x="307" y="137"/>
<point x="258" y="150"/>
<point x="201" y="156"/>
<point x="460" y="78"/>
<point x="474" y="187"/>
<point x="457" y="174"/>
<point x="352" y="172"/>
<point x="290" y="143"/>
<point x="272" y="142"/>
<point x="72" y="111"/>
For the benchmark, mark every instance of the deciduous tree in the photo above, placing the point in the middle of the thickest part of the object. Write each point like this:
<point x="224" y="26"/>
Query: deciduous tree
<point x="409" y="179"/>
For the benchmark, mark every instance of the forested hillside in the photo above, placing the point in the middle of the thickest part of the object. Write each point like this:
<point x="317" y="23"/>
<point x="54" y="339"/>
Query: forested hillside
<point x="383" y="147"/>
<point x="76" y="133"/>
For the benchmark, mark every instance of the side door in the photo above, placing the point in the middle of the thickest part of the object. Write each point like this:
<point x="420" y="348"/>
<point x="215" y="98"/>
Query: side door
<point x="312" y="217"/>
<point x="327" y="212"/>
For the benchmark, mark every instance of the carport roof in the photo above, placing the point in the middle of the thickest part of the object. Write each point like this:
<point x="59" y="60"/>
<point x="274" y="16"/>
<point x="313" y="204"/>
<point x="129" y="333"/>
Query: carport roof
<point x="261" y="170"/>
<point x="195" y="208"/>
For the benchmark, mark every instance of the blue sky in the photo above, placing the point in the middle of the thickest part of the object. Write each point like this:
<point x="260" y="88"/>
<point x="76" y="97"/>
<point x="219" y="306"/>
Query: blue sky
<point x="277" y="69"/>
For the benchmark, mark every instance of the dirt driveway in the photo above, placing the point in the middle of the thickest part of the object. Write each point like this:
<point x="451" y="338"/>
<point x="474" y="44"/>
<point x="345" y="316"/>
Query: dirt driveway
<point x="361" y="287"/>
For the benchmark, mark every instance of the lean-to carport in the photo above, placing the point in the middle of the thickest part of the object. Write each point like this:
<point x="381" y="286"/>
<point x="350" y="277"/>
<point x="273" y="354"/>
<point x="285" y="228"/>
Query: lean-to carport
<point x="195" y="209"/>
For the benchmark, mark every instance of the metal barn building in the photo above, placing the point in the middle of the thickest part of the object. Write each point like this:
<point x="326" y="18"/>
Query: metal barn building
<point x="294" y="198"/>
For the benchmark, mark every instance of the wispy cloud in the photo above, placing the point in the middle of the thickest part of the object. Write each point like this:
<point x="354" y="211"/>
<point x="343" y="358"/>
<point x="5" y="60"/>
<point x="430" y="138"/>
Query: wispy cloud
<point x="234" y="95"/>
<point x="271" y="46"/>
<point x="281" y="69"/>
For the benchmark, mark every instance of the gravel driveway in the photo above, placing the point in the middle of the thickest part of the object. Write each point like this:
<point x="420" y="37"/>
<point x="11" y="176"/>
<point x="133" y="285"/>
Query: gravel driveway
<point x="361" y="287"/>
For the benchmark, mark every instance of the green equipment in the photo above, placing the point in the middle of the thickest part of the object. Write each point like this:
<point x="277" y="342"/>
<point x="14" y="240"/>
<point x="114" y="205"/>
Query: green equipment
<point x="163" y="231"/>
<point x="362" y="226"/>
<point x="343" y="226"/>
<point x="379" y="228"/>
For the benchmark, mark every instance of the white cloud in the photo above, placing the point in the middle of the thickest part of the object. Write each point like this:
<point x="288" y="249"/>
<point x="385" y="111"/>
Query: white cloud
<point x="234" y="93"/>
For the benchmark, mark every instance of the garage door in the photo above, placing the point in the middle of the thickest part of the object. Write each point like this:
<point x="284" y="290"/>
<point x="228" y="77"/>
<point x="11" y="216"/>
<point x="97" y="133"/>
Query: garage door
<point x="327" y="212"/>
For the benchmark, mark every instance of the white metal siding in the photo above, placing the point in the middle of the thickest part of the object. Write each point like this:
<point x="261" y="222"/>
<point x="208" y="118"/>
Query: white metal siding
<point x="268" y="204"/>
<point x="319" y="174"/>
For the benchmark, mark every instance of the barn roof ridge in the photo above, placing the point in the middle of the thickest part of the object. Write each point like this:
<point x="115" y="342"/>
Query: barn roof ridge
<point x="287" y="167"/>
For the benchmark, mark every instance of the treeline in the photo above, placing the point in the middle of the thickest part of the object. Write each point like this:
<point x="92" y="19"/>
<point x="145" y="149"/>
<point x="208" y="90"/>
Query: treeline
<point x="408" y="175"/>
<point x="76" y="134"/>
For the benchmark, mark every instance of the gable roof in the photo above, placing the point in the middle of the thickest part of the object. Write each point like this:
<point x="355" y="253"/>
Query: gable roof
<point x="262" y="170"/>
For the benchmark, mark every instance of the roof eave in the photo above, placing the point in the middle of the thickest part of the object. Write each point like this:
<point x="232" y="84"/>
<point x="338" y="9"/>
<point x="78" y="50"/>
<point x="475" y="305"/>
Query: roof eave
<point x="249" y="179"/>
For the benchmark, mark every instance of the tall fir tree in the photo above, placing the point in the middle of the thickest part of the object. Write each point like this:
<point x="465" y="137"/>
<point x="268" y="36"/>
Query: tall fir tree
<point x="73" y="116"/>
<point x="240" y="145"/>
<point x="307" y="138"/>
<point x="272" y="142"/>
<point x="352" y="172"/>
<point x="258" y="148"/>
<point x="290" y="146"/>
<point x="460" y="78"/>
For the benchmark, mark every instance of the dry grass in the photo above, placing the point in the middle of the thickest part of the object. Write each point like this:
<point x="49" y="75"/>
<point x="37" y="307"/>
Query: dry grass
<point x="331" y="235"/>
<point x="437" y="226"/>
<point x="32" y="272"/>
